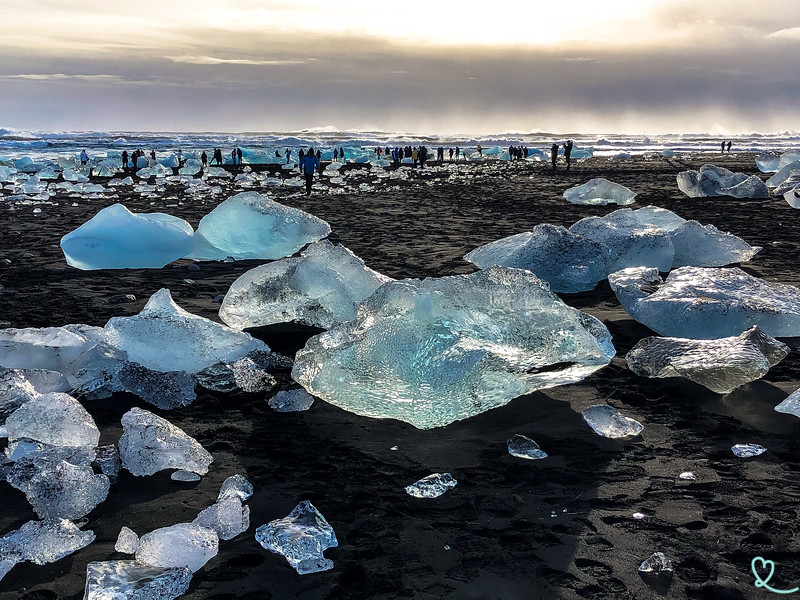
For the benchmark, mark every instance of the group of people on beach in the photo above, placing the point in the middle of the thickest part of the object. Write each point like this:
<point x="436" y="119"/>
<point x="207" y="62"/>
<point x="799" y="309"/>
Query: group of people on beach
<point x="567" y="154"/>
<point x="726" y="144"/>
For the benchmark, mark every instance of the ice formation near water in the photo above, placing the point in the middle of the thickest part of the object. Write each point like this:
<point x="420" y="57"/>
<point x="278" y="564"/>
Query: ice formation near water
<point x="41" y="542"/>
<point x="631" y="242"/>
<point x="115" y="238"/>
<point x="432" y="486"/>
<point x="567" y="261"/>
<point x="706" y="246"/>
<point x="321" y="287"/>
<point x="607" y="421"/>
<point x="301" y="537"/>
<point x="702" y="303"/>
<point x="291" y="401"/>
<point x="164" y="337"/>
<point x="150" y="444"/>
<point x="182" y="545"/>
<point x="250" y="225"/>
<point x="721" y="365"/>
<point x="790" y="406"/>
<point x="600" y="191"/>
<point x="524" y="447"/>
<point x="435" y="351"/>
<point x="712" y="181"/>
<point x="132" y="580"/>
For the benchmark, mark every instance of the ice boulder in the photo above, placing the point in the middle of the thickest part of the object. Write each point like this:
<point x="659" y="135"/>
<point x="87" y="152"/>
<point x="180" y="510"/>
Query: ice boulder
<point x="56" y="419"/>
<point x="42" y="542"/>
<point x="752" y="187"/>
<point x="767" y="162"/>
<point x="250" y="225"/>
<point x="703" y="303"/>
<point x="51" y="348"/>
<point x="435" y="351"/>
<point x="600" y="191"/>
<point x="708" y="181"/>
<point x="706" y="246"/>
<point x="182" y="545"/>
<point x="321" y="287"/>
<point x="164" y="337"/>
<point x="132" y="580"/>
<point x="659" y="217"/>
<point x="567" y="261"/>
<point x="793" y="168"/>
<point x="227" y="517"/>
<point x="631" y="242"/>
<point x="150" y="444"/>
<point x="721" y="365"/>
<point x="116" y="238"/>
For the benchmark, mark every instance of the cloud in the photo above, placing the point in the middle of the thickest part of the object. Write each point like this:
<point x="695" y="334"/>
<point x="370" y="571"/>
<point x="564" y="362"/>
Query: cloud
<point x="63" y="76"/>
<point x="211" y="60"/>
<point x="793" y="33"/>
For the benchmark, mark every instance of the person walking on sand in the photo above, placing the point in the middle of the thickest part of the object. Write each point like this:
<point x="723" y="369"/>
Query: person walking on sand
<point x="553" y="156"/>
<point x="124" y="159"/>
<point x="568" y="153"/>
<point x="239" y="154"/>
<point x="341" y="154"/>
<point x="723" y="146"/>
<point x="336" y="155"/>
<point x="84" y="157"/>
<point x="729" y="146"/>
<point x="308" y="165"/>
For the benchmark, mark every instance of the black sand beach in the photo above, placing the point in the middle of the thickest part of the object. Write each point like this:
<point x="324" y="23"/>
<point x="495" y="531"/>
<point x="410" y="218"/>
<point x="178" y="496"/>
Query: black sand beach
<point x="511" y="529"/>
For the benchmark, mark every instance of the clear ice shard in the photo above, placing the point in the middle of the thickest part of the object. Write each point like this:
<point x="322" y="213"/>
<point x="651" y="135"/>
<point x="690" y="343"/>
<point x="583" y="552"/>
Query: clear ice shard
<point x="51" y="348"/>
<point x="181" y="545"/>
<point x="632" y="243"/>
<point x="656" y="563"/>
<point x="711" y="181"/>
<point x="228" y="517"/>
<point x="186" y="476"/>
<point x="435" y="351"/>
<point x="291" y="401"/>
<point x="250" y="225"/>
<point x="127" y="541"/>
<point x="697" y="302"/>
<point x="116" y="238"/>
<point x="150" y="444"/>
<point x="524" y="447"/>
<point x="567" y="261"/>
<point x="600" y="191"/>
<point x="252" y="373"/>
<point x="56" y="419"/>
<point x="792" y="168"/>
<point x="321" y="287"/>
<point x="706" y="246"/>
<point x="607" y="421"/>
<point x="108" y="461"/>
<point x="791" y="405"/>
<point x="659" y="217"/>
<point x="301" y="537"/>
<point x="432" y="486"/>
<point x="164" y="337"/>
<point x="721" y="365"/>
<point x="132" y="580"/>
<point x="42" y="542"/>
<point x="166" y="390"/>
<point x="236" y="485"/>
<point x="747" y="450"/>
<point x="767" y="162"/>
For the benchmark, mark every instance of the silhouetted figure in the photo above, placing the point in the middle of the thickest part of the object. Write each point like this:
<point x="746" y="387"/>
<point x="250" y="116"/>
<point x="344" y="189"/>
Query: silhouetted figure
<point x="480" y="149"/>
<point x="84" y="157"/>
<point x="300" y="155"/>
<point x="451" y="154"/>
<point x="553" y="156"/>
<point x="204" y="159"/>
<point x="336" y="154"/>
<point x="458" y="153"/>
<point x="153" y="155"/>
<point x="308" y="164"/>
<point x="180" y="157"/>
<point x="568" y="153"/>
<point x="423" y="156"/>
<point x="239" y="155"/>
<point x="124" y="159"/>
<point x="723" y="146"/>
<point x="289" y="155"/>
<point x="277" y="154"/>
<point x="341" y="154"/>
<point x="729" y="146"/>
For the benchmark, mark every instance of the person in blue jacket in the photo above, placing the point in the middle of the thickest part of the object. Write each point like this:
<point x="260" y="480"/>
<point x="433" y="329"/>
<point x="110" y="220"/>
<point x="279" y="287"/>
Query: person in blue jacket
<point x="308" y="165"/>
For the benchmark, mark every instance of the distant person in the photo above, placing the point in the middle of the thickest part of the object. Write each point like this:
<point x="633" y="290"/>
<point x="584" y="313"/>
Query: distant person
<point x="319" y="158"/>
<point x="124" y="159"/>
<point x="153" y="155"/>
<point x="458" y="153"/>
<point x="180" y="157"/>
<point x="451" y="154"/>
<point x="336" y="155"/>
<point x="288" y="155"/>
<point x="568" y="153"/>
<point x="277" y="154"/>
<point x="300" y="155"/>
<point x="729" y="146"/>
<point x="480" y="149"/>
<point x="341" y="154"/>
<point x="723" y="146"/>
<point x="233" y="156"/>
<point x="415" y="156"/>
<point x="308" y="165"/>
<point x="204" y="159"/>
<point x="553" y="156"/>
<point x="239" y="154"/>
<point x="423" y="156"/>
<point x="84" y="157"/>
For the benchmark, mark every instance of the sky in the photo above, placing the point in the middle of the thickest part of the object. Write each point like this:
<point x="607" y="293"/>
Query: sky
<point x="615" y="66"/>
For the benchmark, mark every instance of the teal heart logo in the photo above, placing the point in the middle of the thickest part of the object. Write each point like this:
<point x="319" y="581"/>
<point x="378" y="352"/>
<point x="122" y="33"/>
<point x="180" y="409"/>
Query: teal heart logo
<point x="758" y="565"/>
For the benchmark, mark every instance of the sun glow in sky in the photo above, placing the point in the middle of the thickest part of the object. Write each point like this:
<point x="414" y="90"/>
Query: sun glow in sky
<point x="582" y="65"/>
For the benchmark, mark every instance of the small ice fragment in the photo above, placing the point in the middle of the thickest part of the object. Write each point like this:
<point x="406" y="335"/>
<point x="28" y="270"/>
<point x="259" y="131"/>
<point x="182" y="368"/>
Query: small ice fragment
<point x="227" y="517"/>
<point x="446" y="547"/>
<point x="181" y="545"/>
<point x="187" y="476"/>
<point x="657" y="563"/>
<point x="238" y="485"/>
<point x="608" y="422"/>
<point x="638" y="515"/>
<point x="127" y="541"/>
<point x="131" y="580"/>
<point x="43" y="542"/>
<point x="790" y="406"/>
<point x="291" y="401"/>
<point x="107" y="458"/>
<point x="747" y="450"/>
<point x="431" y="486"/>
<point x="687" y="475"/>
<point x="394" y="448"/>
<point x="301" y="537"/>
<point x="524" y="447"/>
